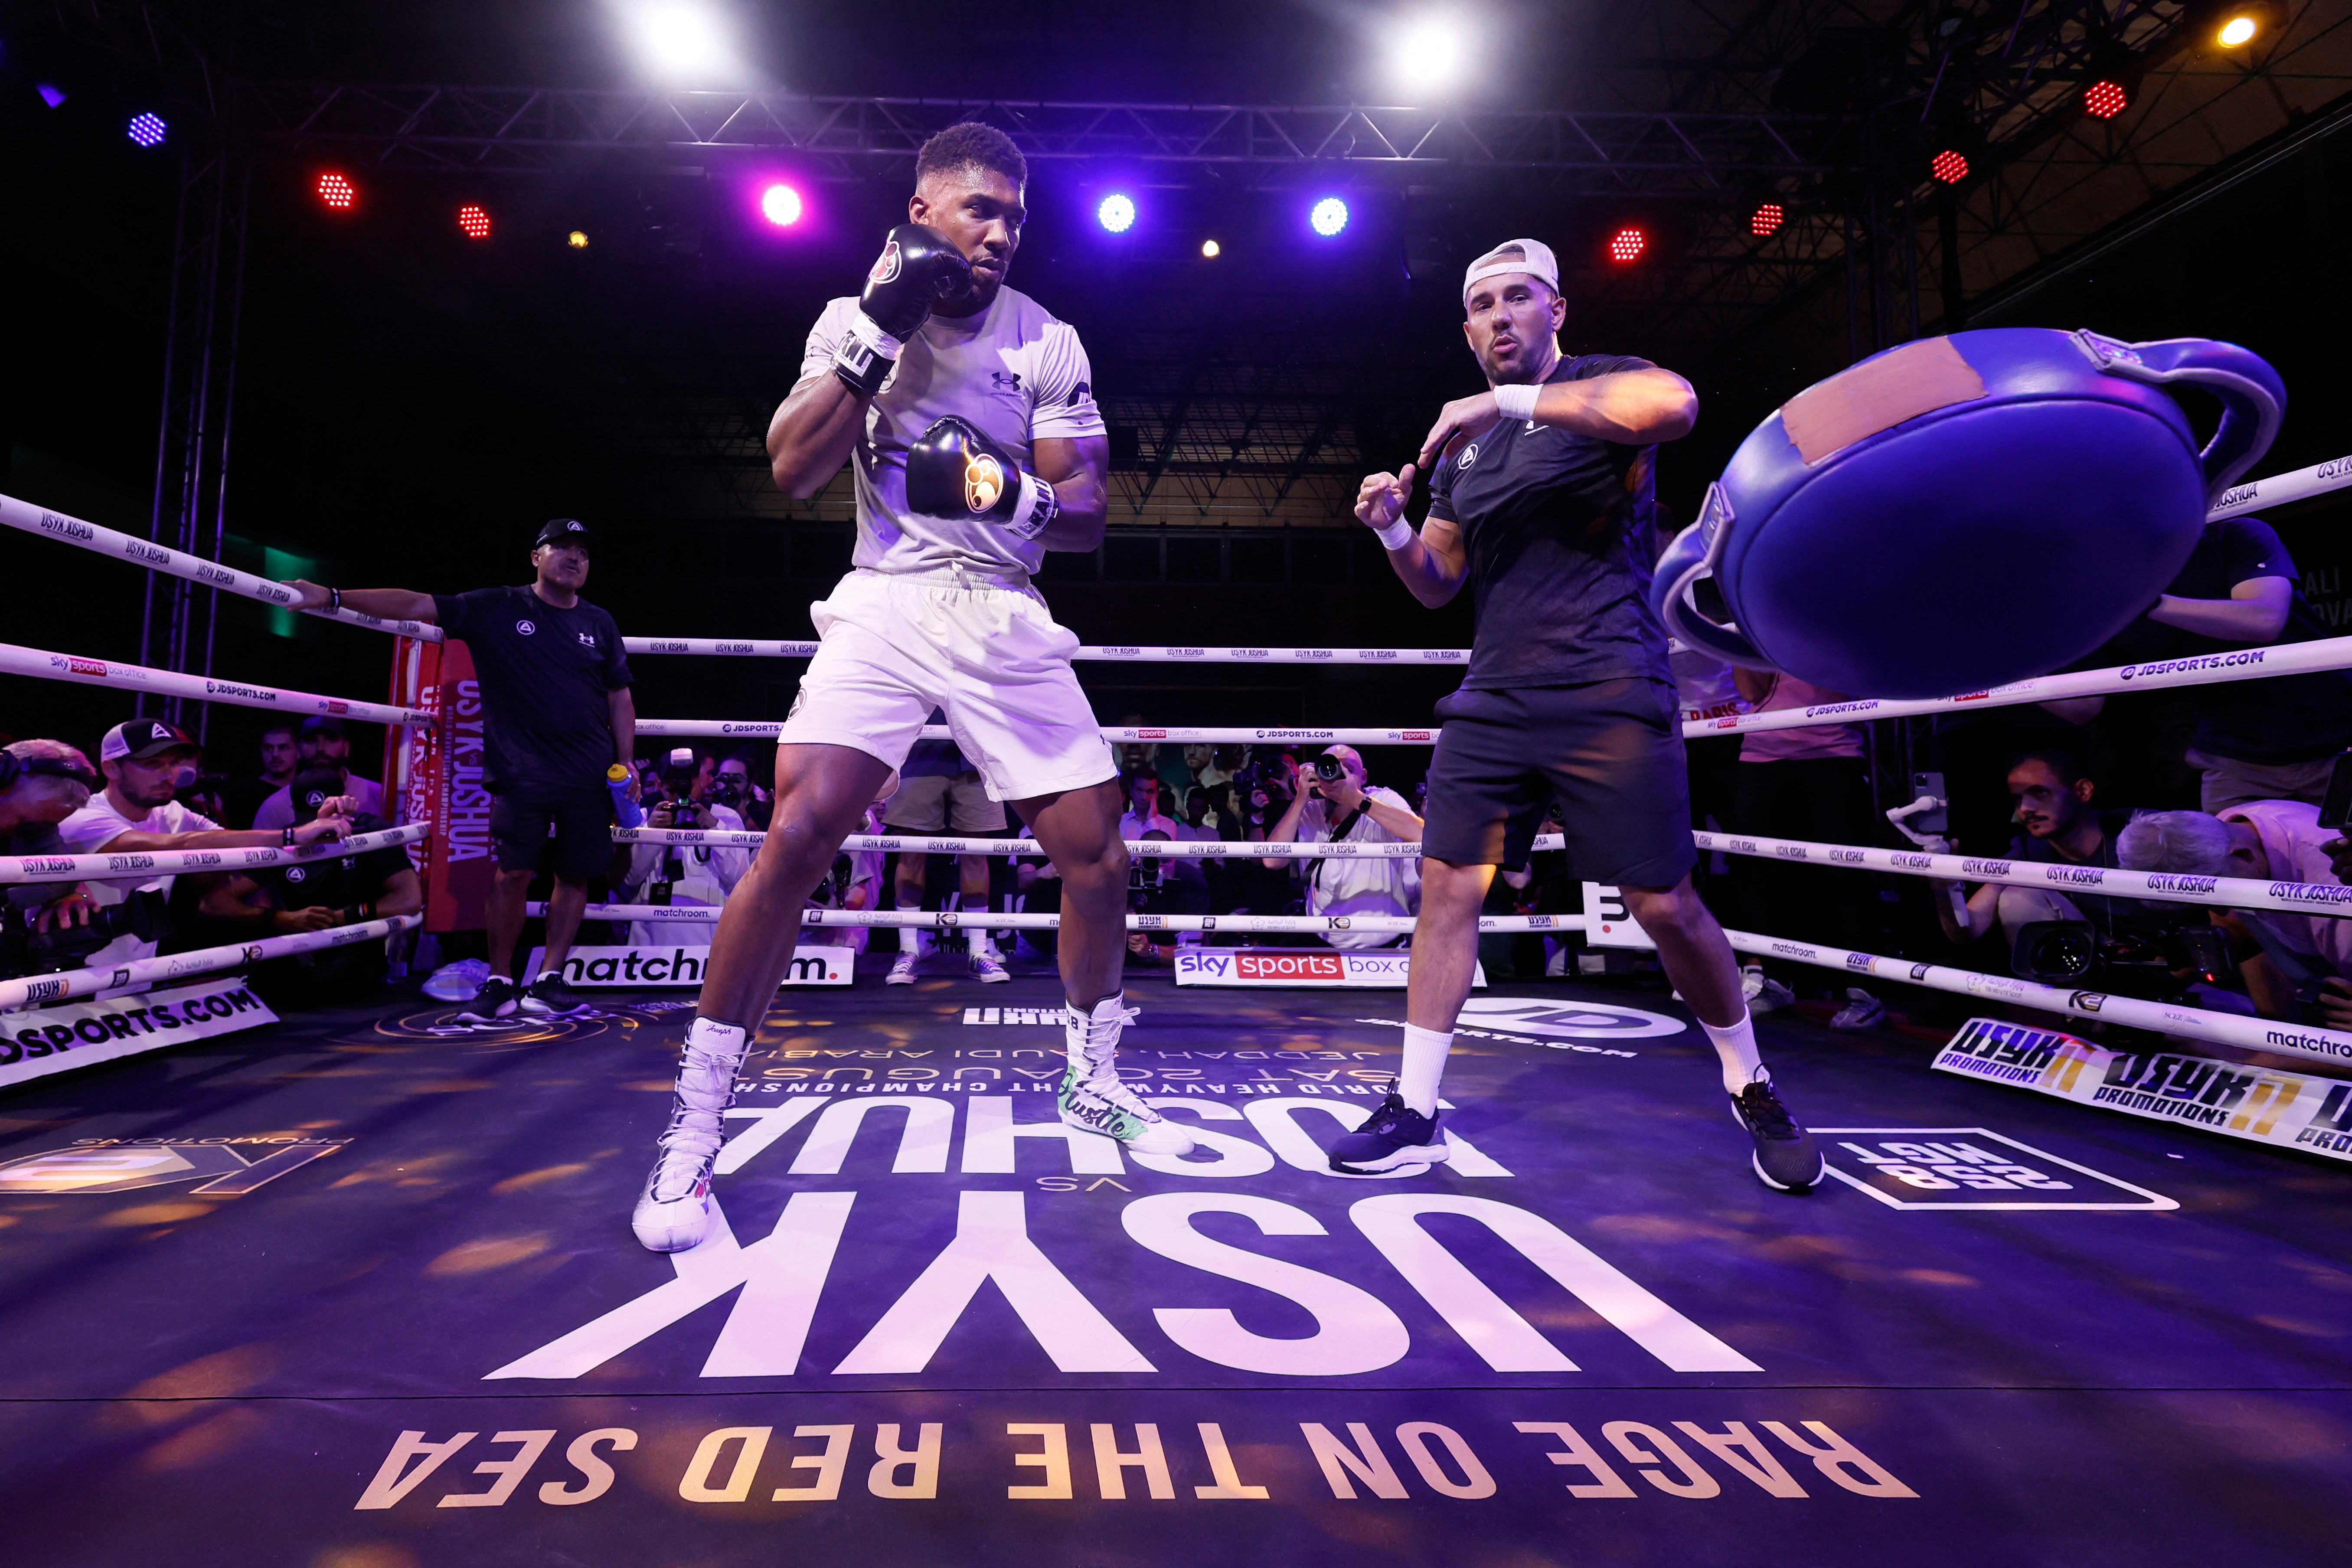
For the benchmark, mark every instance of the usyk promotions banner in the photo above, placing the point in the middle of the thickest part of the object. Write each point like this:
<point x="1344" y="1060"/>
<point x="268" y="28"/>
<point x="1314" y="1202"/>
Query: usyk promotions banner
<point x="51" y="1040"/>
<point x="589" y="967"/>
<point x="1386" y="969"/>
<point x="2263" y="1105"/>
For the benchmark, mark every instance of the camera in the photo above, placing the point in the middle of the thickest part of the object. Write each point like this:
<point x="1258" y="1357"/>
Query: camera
<point x="726" y="789"/>
<point x="839" y="877"/>
<point x="24" y="951"/>
<point x="1146" y="875"/>
<point x="2158" y="968"/>
<point x="1263" y="785"/>
<point x="1330" y="770"/>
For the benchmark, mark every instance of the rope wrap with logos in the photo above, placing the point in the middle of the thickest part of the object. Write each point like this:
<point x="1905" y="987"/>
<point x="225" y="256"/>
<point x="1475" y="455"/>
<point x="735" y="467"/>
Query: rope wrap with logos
<point x="70" y="984"/>
<point x="16" y="869"/>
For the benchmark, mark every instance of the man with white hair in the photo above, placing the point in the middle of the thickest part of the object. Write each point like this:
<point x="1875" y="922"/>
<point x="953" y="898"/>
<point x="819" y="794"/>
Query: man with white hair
<point x="2269" y="841"/>
<point x="1337" y="803"/>
<point x="42" y="783"/>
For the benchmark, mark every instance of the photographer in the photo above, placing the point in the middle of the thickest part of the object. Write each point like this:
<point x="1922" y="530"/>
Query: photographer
<point x="854" y="883"/>
<point x="736" y="786"/>
<point x="557" y="714"/>
<point x="698" y="874"/>
<point x="2294" y="965"/>
<point x="2053" y="800"/>
<point x="42" y="783"/>
<point x="1336" y="804"/>
<point x="315" y="895"/>
<point x="940" y="792"/>
<point x="147" y="763"/>
<point x="321" y="742"/>
<point x="1159" y="884"/>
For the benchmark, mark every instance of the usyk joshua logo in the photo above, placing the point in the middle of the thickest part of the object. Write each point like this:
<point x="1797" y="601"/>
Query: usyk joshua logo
<point x="886" y="265"/>
<point x="983" y="481"/>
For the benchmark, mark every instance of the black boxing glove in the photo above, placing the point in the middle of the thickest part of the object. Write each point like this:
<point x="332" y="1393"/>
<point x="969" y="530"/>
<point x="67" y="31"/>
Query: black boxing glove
<point x="918" y="268"/>
<point x="956" y="471"/>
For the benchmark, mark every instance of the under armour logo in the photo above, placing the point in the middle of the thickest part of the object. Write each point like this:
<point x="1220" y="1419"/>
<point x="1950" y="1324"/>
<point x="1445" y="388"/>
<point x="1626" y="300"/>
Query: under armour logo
<point x="1080" y="392"/>
<point x="587" y="640"/>
<point x="1005" y="380"/>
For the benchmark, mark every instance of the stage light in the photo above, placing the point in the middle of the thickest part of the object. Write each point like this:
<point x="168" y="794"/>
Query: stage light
<point x="576" y="240"/>
<point x="1950" y="167"/>
<point x="1328" y="216"/>
<point x="2104" y="99"/>
<point x="337" y="191"/>
<point x="51" y="94"/>
<point x="2237" y="30"/>
<point x="1429" y="53"/>
<point x="780" y="205"/>
<point x="1627" y="245"/>
<point x="474" y="220"/>
<point x="147" y="129"/>
<point x="1116" y="214"/>
<point x="1212" y="249"/>
<point x="682" y="39"/>
<point x="1765" y="220"/>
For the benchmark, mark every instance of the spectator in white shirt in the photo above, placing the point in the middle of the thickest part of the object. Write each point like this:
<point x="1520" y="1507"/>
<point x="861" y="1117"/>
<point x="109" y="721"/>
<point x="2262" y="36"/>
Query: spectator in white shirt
<point x="1336" y="804"/>
<point x="701" y="874"/>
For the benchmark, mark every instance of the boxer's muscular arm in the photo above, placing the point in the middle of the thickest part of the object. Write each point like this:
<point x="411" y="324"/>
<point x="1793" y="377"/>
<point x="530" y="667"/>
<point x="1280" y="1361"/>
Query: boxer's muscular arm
<point x="815" y="430"/>
<point x="1079" y="468"/>
<point x="1629" y="407"/>
<point x="1434" y="562"/>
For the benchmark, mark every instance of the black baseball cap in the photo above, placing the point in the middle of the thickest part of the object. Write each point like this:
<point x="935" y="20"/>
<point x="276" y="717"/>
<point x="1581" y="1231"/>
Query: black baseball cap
<point x="319" y="724"/>
<point x="143" y="738"/>
<point x="563" y="531"/>
<point x="312" y="788"/>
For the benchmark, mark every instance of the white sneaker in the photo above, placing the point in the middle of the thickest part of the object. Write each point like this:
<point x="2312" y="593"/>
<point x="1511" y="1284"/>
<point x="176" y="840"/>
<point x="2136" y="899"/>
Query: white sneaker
<point x="673" y="1212"/>
<point x="1861" y="1012"/>
<point x="1763" y="994"/>
<point x="1104" y="1104"/>
<point x="987" y="965"/>
<point x="902" y="969"/>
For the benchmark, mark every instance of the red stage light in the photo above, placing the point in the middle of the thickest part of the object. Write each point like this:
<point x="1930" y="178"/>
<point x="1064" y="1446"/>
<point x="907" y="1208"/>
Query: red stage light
<point x="337" y="191"/>
<point x="474" y="221"/>
<point x="1626" y="245"/>
<point x="2104" y="99"/>
<point x="1767" y="221"/>
<point x="1950" y="167"/>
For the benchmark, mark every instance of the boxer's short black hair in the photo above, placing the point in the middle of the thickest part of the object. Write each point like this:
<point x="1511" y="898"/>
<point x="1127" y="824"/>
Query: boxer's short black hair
<point x="971" y="145"/>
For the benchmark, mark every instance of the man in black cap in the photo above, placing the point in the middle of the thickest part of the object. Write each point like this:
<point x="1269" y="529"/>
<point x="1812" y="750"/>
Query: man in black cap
<point x="557" y="714"/>
<point x="321" y="742"/>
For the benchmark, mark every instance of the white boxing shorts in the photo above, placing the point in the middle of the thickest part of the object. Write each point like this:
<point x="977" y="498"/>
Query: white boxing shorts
<point x="894" y="646"/>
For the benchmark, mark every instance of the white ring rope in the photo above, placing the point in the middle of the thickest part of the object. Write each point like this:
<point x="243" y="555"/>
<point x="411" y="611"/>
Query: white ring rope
<point x="984" y="920"/>
<point x="23" y="868"/>
<point x="31" y="519"/>
<point x="768" y="729"/>
<point x="75" y="983"/>
<point x="2197" y="1023"/>
<point x="2333" y="900"/>
<point x="1171" y="849"/>
<point x="33" y="662"/>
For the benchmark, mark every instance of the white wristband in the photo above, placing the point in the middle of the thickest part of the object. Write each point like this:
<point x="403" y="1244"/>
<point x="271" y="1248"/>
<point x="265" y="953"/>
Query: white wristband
<point x="1396" y="535"/>
<point x="867" y="330"/>
<point x="1516" y="400"/>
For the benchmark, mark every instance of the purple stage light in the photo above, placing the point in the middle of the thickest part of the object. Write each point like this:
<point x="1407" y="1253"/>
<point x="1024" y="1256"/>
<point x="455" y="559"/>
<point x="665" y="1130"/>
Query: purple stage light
<point x="147" y="129"/>
<point x="781" y="205"/>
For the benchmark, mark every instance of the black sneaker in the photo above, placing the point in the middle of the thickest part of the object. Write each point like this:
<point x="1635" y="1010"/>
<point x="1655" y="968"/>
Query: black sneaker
<point x="1394" y="1134"/>
<point x="498" y="999"/>
<point x="548" y="993"/>
<point x="1786" y="1158"/>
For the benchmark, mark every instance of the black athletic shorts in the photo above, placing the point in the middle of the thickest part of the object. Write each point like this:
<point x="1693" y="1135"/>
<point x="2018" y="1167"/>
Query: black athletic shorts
<point x="521" y="815"/>
<point x="1610" y="752"/>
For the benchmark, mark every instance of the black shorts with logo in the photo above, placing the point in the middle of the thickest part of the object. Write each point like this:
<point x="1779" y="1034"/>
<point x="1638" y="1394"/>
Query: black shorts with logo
<point x="521" y="814"/>
<point x="1610" y="752"/>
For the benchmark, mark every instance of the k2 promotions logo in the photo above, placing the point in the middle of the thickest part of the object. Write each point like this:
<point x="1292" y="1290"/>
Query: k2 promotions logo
<point x="222" y="1167"/>
<point x="1970" y="1168"/>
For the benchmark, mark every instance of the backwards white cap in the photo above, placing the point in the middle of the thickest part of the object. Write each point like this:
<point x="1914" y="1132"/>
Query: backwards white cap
<point x="1532" y="256"/>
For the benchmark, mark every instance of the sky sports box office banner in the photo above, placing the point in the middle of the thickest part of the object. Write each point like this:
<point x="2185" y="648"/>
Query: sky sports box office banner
<point x="1382" y="969"/>
<point x="2263" y="1105"/>
<point x="36" y="1044"/>
<point x="588" y="968"/>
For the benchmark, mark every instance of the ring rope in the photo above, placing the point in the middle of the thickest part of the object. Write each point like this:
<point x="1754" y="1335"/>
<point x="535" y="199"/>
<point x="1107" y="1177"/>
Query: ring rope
<point x="33" y="662"/>
<point x="984" y="920"/>
<point x="2332" y="901"/>
<point x="72" y="983"/>
<point x="16" y="868"/>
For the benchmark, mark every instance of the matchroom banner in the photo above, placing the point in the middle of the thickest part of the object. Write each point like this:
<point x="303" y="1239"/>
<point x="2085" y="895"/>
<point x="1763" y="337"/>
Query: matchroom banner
<point x="2263" y="1105"/>
<point x="591" y="968"/>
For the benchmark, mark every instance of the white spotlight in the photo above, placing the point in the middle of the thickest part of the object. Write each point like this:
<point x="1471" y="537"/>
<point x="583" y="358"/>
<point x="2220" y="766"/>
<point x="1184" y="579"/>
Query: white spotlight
<point x="1429" y="53"/>
<point x="681" y="39"/>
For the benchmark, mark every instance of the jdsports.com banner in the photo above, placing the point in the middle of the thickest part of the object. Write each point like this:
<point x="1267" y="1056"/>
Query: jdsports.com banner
<point x="1385" y="970"/>
<point x="2263" y="1105"/>
<point x="51" y="1040"/>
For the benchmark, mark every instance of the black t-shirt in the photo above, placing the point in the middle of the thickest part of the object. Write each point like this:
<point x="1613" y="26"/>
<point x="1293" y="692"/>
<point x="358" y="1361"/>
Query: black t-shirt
<point x="545" y="672"/>
<point x="335" y="884"/>
<point x="2108" y="916"/>
<point x="1557" y="527"/>
<point x="2284" y="718"/>
<point x="244" y="796"/>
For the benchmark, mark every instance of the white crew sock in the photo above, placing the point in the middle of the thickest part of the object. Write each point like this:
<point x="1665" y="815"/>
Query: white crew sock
<point x="1092" y="1038"/>
<point x="1424" y="1064"/>
<point x="1736" y="1044"/>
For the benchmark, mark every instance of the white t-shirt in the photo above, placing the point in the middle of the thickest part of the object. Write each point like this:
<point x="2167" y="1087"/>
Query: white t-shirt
<point x="2295" y="843"/>
<point x="706" y="874"/>
<point x="1378" y="886"/>
<point x="93" y="828"/>
<point x="1013" y="372"/>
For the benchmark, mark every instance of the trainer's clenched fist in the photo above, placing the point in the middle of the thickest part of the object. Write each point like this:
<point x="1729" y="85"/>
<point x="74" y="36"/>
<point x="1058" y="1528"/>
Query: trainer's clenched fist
<point x="1381" y="500"/>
